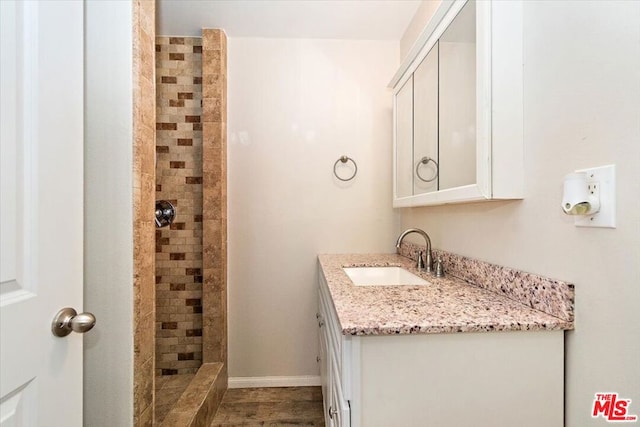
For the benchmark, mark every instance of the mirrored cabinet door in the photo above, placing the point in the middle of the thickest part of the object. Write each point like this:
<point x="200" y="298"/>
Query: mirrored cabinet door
<point x="457" y="63"/>
<point x="425" y="126"/>
<point x="404" y="138"/>
<point x="458" y="103"/>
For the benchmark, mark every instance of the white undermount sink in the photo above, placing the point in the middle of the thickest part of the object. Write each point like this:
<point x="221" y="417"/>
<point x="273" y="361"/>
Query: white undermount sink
<point x="382" y="276"/>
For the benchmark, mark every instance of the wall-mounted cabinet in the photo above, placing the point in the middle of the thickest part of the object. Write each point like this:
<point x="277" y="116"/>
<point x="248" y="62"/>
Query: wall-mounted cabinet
<point x="458" y="111"/>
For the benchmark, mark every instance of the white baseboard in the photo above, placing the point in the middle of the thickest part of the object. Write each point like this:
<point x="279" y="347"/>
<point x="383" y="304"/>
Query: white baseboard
<point x="252" y="382"/>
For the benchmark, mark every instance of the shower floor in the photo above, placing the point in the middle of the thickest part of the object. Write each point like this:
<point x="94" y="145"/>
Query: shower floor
<point x="169" y="388"/>
<point x="281" y="406"/>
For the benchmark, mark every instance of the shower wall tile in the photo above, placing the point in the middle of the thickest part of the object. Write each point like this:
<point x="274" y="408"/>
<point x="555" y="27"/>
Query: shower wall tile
<point x="214" y="180"/>
<point x="179" y="180"/>
<point x="143" y="27"/>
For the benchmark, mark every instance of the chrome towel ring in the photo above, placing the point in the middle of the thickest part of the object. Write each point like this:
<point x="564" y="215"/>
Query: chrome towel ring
<point x="345" y="159"/>
<point x="424" y="161"/>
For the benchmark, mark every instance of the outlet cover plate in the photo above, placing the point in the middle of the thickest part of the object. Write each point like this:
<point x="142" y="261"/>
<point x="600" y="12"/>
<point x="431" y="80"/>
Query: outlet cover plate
<point x="604" y="180"/>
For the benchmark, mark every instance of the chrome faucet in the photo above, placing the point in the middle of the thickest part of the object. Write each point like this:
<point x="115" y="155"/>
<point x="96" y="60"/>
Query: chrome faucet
<point x="428" y="263"/>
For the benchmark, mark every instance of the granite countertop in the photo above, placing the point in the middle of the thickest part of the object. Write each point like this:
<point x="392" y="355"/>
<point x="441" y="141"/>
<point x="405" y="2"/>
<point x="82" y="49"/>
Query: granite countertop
<point x="448" y="305"/>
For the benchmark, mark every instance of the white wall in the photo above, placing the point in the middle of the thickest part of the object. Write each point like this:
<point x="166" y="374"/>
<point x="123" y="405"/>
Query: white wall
<point x="296" y="106"/>
<point x="582" y="109"/>
<point x="108" y="269"/>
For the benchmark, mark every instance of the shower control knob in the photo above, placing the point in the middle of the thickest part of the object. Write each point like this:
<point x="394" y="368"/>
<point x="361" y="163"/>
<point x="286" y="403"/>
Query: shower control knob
<point x="68" y="320"/>
<point x="165" y="213"/>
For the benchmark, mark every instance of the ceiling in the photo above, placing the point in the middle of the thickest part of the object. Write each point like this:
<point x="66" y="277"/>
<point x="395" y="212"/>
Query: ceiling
<point x="329" y="19"/>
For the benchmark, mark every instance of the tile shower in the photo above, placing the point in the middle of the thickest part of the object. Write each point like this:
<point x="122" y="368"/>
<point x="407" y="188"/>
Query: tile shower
<point x="179" y="180"/>
<point x="190" y="254"/>
<point x="143" y="33"/>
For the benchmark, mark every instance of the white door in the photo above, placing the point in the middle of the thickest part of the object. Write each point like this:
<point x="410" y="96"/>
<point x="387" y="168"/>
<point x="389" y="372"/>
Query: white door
<point x="41" y="218"/>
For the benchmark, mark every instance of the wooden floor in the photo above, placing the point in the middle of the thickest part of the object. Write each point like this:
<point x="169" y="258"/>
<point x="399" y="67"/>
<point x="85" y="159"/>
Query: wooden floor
<point x="281" y="406"/>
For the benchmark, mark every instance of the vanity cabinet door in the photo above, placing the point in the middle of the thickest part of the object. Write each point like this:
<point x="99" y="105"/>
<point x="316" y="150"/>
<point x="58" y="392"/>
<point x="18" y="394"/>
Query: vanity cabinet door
<point x="323" y="360"/>
<point x="425" y="124"/>
<point x="404" y="140"/>
<point x="339" y="408"/>
<point x="332" y="372"/>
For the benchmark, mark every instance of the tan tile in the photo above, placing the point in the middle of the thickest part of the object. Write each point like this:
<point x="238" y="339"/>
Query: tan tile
<point x="276" y="406"/>
<point x="147" y="116"/>
<point x="147" y="15"/>
<point x="145" y="135"/>
<point x="143" y="245"/>
<point x="146" y="55"/>
<point x="161" y="412"/>
<point x="143" y="386"/>
<point x="212" y="110"/>
<point x="178" y="381"/>
<point x="145" y="210"/>
<point x="160" y="381"/>
<point x="213" y="85"/>
<point x="211" y="38"/>
<point x="205" y="145"/>
<point x="273" y="394"/>
<point x="146" y="417"/>
<point x="144" y="339"/>
<point x="174" y="419"/>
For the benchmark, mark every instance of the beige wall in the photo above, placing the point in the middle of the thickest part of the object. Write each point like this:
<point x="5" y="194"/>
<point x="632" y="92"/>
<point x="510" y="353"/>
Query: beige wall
<point x="582" y="109"/>
<point x="295" y="107"/>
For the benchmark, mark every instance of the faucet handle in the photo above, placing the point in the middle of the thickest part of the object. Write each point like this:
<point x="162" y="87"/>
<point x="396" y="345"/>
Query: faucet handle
<point x="420" y="261"/>
<point x="439" y="268"/>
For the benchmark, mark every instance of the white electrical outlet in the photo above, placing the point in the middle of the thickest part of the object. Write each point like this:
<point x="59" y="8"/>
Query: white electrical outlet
<point x="602" y="183"/>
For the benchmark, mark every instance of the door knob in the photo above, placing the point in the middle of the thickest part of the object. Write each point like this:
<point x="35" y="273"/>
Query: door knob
<point x="68" y="320"/>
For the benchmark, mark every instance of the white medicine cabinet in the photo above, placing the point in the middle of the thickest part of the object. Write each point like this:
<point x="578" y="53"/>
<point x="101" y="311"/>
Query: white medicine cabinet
<point x="458" y="107"/>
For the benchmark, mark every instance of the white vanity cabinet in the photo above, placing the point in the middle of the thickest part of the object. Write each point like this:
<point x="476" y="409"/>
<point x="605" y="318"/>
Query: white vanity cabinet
<point x="458" y="107"/>
<point x="481" y="379"/>
<point x="336" y="407"/>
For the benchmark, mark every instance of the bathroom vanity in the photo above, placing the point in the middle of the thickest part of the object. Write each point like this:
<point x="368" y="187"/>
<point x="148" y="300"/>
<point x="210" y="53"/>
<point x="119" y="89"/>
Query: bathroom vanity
<point x="445" y="353"/>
